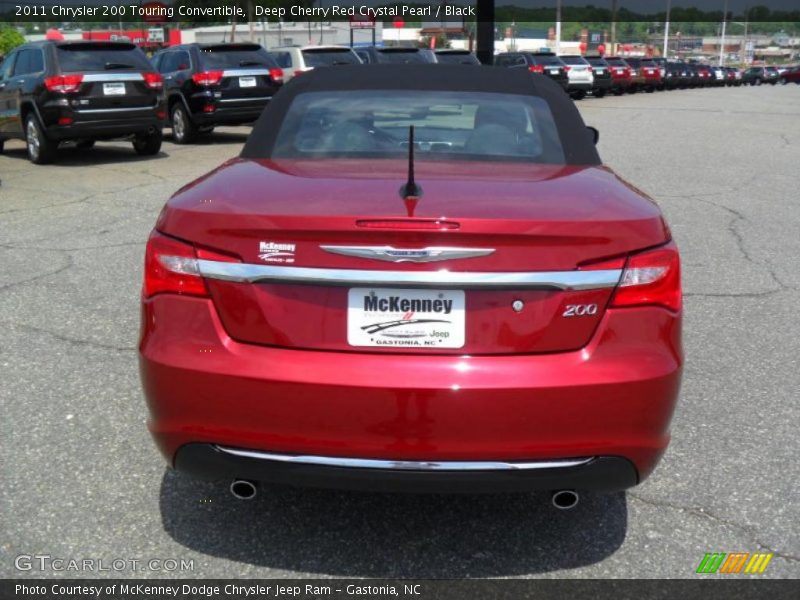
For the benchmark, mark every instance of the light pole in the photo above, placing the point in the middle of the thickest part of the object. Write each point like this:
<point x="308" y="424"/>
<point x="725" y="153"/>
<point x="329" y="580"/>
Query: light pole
<point x="558" y="26"/>
<point x="614" y="27"/>
<point x="743" y="45"/>
<point x="666" y="32"/>
<point x="722" y="39"/>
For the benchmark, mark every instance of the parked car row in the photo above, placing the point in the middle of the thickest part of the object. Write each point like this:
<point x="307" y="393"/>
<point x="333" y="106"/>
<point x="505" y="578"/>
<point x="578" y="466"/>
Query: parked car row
<point x="579" y="75"/>
<point x="55" y="92"/>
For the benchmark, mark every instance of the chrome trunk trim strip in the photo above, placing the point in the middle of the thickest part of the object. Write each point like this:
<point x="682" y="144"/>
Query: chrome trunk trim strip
<point x="417" y="255"/>
<point x="559" y="280"/>
<point x="244" y="72"/>
<point x="93" y="77"/>
<point x="407" y="465"/>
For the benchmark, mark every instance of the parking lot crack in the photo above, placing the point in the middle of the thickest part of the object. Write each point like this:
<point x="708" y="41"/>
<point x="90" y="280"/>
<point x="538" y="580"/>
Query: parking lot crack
<point x="46" y="206"/>
<point x="69" y="265"/>
<point x="16" y="246"/>
<point x="763" y="294"/>
<point x="67" y="339"/>
<point x="732" y="228"/>
<point x="705" y="514"/>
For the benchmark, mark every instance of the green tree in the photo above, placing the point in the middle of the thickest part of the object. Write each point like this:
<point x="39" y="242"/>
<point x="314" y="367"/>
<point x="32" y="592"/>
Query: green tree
<point x="9" y="39"/>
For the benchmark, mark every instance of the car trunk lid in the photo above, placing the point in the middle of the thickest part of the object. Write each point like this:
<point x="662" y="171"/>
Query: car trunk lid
<point x="493" y="259"/>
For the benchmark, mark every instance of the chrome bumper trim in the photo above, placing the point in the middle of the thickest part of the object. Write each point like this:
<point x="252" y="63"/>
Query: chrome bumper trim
<point x="560" y="280"/>
<point x="88" y="111"/>
<point x="254" y="99"/>
<point x="407" y="465"/>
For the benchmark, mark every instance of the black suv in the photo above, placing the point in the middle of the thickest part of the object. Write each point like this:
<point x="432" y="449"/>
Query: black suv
<point x="79" y="91"/>
<point x="450" y="56"/>
<point x="759" y="75"/>
<point x="215" y="84"/>
<point x="602" y="76"/>
<point x="394" y="55"/>
<point x="536" y="62"/>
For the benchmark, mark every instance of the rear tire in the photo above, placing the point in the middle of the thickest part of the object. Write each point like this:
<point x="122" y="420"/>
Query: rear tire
<point x="148" y="144"/>
<point x="599" y="93"/>
<point x="2" y="143"/>
<point x="183" y="130"/>
<point x="40" y="149"/>
<point x="579" y="95"/>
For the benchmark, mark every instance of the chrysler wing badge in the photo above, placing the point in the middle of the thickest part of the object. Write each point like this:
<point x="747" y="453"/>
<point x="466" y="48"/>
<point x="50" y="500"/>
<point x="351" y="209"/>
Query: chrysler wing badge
<point x="417" y="255"/>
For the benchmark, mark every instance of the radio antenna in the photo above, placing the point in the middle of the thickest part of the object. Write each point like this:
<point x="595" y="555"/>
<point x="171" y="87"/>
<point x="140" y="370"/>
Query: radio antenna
<point x="410" y="190"/>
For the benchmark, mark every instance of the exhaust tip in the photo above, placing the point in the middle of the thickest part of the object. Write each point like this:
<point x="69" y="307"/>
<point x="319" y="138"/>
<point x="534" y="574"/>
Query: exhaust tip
<point x="565" y="499"/>
<point x="242" y="489"/>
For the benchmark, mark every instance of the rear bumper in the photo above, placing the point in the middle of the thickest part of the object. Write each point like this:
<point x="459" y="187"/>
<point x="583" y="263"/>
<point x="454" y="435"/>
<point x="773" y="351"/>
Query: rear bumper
<point x="574" y="86"/>
<point x="613" y="398"/>
<point x="111" y="128"/>
<point x="101" y="123"/>
<point x="602" y="84"/>
<point x="231" y="113"/>
<point x="208" y="461"/>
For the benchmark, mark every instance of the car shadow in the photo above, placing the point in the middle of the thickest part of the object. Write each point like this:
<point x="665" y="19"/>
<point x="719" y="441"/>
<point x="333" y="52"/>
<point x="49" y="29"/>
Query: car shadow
<point x="214" y="138"/>
<point x="352" y="534"/>
<point x="100" y="154"/>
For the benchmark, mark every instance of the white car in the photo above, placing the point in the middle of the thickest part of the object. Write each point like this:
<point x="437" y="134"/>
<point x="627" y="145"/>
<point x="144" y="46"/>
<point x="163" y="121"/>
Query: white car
<point x="295" y="60"/>
<point x="581" y="77"/>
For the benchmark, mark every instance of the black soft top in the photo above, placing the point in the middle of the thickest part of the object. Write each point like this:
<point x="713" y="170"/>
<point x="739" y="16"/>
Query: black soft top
<point x="575" y="138"/>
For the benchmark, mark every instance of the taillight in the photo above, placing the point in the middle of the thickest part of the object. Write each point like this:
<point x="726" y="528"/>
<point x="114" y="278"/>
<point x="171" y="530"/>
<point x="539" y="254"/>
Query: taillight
<point x="276" y="74"/>
<point x="64" y="84"/>
<point x="207" y="78"/>
<point x="298" y="72"/>
<point x="567" y="68"/>
<point x="171" y="266"/>
<point x="536" y="69"/>
<point x="153" y="81"/>
<point x="652" y="277"/>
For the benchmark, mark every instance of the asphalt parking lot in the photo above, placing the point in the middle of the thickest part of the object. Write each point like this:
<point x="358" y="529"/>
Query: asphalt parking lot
<point x="82" y="479"/>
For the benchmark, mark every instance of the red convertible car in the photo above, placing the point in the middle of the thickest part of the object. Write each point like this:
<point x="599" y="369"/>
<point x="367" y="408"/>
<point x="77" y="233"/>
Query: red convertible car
<point x="414" y="278"/>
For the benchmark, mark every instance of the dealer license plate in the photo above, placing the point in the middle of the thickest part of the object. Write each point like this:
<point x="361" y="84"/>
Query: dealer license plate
<point x="409" y="318"/>
<point x="114" y="89"/>
<point x="247" y="82"/>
